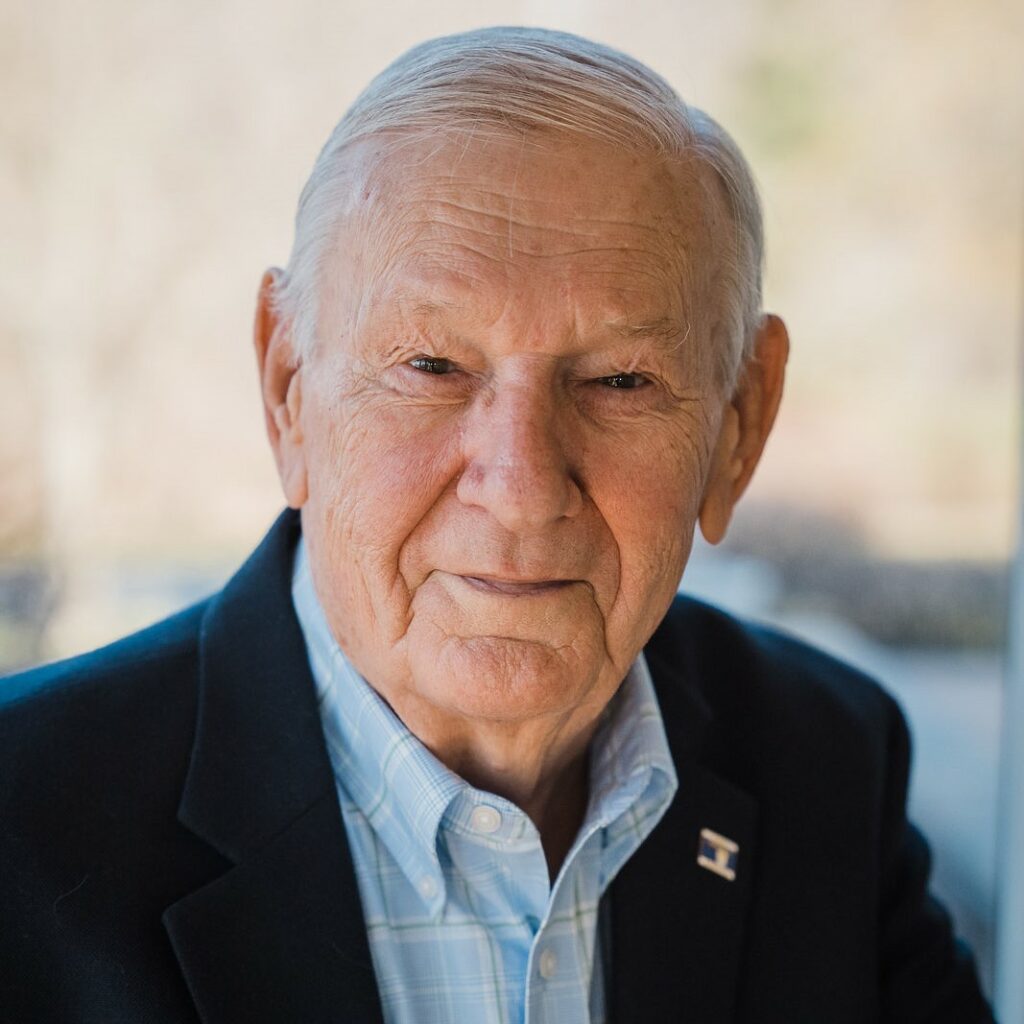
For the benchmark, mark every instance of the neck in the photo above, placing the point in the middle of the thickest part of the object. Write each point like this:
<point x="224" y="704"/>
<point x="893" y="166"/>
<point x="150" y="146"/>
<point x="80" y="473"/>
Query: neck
<point x="544" y="772"/>
<point x="556" y="802"/>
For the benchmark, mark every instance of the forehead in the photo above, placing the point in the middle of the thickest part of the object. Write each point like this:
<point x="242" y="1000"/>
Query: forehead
<point x="468" y="224"/>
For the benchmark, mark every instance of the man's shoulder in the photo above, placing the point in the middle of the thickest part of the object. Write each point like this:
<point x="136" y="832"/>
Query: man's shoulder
<point x="88" y="742"/>
<point x="164" y="651"/>
<point x="771" y="685"/>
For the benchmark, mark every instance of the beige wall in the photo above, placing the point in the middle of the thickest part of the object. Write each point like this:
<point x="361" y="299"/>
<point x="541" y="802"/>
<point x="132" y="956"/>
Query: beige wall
<point x="152" y="154"/>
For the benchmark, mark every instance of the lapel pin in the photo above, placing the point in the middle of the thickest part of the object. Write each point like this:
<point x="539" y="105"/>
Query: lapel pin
<point x="717" y="854"/>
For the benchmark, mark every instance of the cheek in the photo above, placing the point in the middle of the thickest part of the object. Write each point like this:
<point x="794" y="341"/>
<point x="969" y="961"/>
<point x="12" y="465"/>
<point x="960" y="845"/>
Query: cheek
<point x="649" y="497"/>
<point x="649" y="484"/>
<point x="376" y="472"/>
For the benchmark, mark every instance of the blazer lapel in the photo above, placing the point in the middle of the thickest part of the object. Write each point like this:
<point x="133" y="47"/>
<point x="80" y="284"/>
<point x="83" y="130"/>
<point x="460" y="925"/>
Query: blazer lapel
<point x="280" y="935"/>
<point x="677" y="926"/>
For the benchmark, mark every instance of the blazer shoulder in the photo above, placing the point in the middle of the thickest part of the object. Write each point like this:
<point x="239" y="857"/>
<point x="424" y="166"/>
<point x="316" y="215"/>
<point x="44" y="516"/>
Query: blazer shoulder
<point x="159" y="649"/>
<point x="768" y="675"/>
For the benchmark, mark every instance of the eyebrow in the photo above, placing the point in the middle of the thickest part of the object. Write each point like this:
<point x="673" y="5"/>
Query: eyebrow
<point x="434" y="309"/>
<point x="664" y="328"/>
<point x="427" y="308"/>
<point x="661" y="327"/>
<point x="667" y="332"/>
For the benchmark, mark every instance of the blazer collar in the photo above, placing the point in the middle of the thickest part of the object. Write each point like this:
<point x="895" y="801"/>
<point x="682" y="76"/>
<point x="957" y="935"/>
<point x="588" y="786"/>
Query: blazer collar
<point x="280" y="935"/>
<point x="259" y="758"/>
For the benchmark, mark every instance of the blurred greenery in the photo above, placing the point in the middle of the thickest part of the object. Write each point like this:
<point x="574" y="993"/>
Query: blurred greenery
<point x="782" y="109"/>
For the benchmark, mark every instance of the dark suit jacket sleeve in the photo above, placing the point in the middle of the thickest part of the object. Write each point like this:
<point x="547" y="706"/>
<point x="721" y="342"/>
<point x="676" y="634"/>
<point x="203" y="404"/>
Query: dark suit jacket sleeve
<point x="926" y="974"/>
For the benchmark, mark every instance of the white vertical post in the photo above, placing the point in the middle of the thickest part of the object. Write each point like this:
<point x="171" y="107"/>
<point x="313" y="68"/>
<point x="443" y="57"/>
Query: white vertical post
<point x="1009" y="967"/>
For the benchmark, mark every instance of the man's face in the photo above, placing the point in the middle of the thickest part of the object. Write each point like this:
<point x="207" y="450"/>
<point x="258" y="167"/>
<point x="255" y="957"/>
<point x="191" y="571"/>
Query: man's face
<point x="507" y="424"/>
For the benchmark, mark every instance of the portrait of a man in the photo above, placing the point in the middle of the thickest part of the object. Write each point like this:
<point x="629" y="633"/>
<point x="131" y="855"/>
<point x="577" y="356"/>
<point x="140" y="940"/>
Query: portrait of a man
<point x="449" y="747"/>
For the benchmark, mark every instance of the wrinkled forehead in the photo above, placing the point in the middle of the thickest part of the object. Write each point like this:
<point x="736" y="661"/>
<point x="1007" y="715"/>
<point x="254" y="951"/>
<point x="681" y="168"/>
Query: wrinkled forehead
<point x="630" y="231"/>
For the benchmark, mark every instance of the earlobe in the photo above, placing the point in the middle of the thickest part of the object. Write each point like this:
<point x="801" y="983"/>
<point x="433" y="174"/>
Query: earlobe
<point x="714" y="519"/>
<point x="747" y="421"/>
<point x="281" y="386"/>
<point x="726" y="467"/>
<point x="292" y="451"/>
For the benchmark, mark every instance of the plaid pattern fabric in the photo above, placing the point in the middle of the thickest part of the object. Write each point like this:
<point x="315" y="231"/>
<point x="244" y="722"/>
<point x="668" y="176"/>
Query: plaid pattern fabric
<point x="463" y="923"/>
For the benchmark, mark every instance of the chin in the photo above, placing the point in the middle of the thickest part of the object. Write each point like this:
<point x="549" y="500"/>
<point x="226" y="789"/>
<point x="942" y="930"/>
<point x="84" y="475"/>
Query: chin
<point x="505" y="679"/>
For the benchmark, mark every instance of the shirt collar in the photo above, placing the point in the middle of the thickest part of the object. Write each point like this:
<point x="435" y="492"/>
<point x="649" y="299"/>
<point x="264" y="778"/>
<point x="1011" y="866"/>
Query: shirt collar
<point x="399" y="786"/>
<point x="405" y="792"/>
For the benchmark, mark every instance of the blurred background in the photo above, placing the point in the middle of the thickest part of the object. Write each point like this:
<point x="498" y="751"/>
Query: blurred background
<point x="151" y="155"/>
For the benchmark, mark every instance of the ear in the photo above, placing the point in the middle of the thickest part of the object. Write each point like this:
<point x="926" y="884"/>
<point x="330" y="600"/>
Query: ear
<point x="281" y="384"/>
<point x="746" y="423"/>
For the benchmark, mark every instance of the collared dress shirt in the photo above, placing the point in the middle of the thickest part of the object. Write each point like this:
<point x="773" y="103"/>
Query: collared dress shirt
<point x="463" y="922"/>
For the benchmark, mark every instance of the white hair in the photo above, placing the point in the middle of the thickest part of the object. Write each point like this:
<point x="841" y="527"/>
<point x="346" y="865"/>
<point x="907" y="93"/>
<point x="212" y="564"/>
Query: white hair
<point x="529" y="79"/>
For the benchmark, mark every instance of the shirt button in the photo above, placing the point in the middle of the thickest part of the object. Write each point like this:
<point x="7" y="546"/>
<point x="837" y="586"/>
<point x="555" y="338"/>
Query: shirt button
<point x="427" y="887"/>
<point x="485" y="819"/>
<point x="548" y="964"/>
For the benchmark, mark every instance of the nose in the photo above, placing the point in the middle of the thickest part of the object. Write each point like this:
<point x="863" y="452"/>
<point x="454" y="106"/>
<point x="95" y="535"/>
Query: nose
<point x="517" y="464"/>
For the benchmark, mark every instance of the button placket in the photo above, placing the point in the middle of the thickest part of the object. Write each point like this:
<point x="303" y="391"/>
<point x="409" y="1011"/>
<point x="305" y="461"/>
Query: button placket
<point x="547" y="964"/>
<point x="485" y="819"/>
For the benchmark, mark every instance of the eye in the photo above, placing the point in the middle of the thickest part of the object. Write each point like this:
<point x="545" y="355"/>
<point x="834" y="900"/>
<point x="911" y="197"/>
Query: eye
<point x="431" y="364"/>
<point x="627" y="381"/>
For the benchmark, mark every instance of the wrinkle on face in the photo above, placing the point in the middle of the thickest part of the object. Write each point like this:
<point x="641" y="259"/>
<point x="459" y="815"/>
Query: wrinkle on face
<point x="537" y="274"/>
<point x="498" y="225"/>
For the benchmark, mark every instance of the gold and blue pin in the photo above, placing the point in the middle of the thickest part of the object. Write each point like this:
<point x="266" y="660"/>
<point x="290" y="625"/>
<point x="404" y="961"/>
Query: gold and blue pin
<point x="718" y="854"/>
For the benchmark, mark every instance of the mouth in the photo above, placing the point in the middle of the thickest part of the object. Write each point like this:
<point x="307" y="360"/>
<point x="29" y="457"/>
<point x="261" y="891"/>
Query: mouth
<point x="516" y="588"/>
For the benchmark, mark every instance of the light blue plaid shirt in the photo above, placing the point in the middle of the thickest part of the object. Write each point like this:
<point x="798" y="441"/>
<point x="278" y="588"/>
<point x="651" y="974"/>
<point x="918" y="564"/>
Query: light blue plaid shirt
<point x="463" y="922"/>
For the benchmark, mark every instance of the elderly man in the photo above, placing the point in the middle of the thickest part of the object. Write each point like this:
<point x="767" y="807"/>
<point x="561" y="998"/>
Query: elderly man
<point x="448" y="748"/>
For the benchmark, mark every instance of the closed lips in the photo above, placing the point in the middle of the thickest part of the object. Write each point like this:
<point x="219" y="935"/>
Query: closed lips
<point x="515" y="587"/>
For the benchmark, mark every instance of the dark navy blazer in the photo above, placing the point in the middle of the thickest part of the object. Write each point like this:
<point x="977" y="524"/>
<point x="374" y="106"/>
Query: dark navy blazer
<point x="171" y="847"/>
